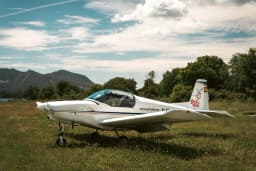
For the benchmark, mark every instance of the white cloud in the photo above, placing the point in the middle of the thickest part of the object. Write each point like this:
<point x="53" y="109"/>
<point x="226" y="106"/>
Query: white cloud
<point x="111" y="6"/>
<point x="120" y="53"/>
<point x="72" y="19"/>
<point x="227" y="18"/>
<point x="23" y="66"/>
<point x="26" y="39"/>
<point x="222" y="2"/>
<point x="11" y="57"/>
<point x="159" y="64"/>
<point x="171" y="48"/>
<point x="33" y="23"/>
<point x="147" y="36"/>
<point x="158" y="33"/>
<point x="78" y="33"/>
<point x="189" y="16"/>
<point x="151" y="8"/>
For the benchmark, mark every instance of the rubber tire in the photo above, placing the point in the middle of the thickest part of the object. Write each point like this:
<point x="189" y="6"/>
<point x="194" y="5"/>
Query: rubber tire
<point x="123" y="140"/>
<point x="59" y="143"/>
<point x="95" y="136"/>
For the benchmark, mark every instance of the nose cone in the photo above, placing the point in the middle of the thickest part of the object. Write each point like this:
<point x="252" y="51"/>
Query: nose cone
<point x="74" y="105"/>
<point x="41" y="106"/>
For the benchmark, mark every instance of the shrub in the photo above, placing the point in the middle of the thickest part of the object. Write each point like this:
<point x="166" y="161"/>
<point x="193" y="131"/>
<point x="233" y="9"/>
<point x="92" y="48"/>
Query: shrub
<point x="222" y="94"/>
<point x="31" y="93"/>
<point x="180" y="93"/>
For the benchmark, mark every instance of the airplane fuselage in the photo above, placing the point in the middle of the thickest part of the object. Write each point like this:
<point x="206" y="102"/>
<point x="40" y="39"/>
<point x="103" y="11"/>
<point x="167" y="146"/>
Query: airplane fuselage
<point x="90" y="112"/>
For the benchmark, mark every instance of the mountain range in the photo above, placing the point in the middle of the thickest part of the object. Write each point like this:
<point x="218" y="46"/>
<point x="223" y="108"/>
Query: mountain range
<point x="13" y="82"/>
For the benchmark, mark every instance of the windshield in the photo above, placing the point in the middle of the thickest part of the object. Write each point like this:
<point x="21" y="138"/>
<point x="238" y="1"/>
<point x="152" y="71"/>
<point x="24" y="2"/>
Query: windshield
<point x="114" y="98"/>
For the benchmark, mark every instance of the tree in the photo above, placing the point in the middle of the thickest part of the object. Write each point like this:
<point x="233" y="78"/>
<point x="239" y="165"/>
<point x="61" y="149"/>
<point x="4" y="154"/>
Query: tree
<point x="67" y="90"/>
<point x="31" y="92"/>
<point x="63" y="87"/>
<point x="120" y="83"/>
<point x="48" y="93"/>
<point x="170" y="79"/>
<point x="92" y="89"/>
<point x="151" y="75"/>
<point x="243" y="72"/>
<point x="211" y="68"/>
<point x="181" y="92"/>
<point x="150" y="88"/>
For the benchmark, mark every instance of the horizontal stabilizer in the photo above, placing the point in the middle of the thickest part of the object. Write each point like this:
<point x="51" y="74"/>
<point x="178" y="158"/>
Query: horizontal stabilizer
<point x="216" y="113"/>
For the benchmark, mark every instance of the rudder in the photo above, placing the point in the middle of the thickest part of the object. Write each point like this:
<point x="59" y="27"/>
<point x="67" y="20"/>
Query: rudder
<point x="200" y="97"/>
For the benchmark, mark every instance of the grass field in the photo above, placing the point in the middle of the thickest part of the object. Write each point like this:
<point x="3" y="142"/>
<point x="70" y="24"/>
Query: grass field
<point x="27" y="142"/>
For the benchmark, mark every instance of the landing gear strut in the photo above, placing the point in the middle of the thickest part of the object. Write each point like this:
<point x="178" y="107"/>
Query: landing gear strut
<point x="61" y="141"/>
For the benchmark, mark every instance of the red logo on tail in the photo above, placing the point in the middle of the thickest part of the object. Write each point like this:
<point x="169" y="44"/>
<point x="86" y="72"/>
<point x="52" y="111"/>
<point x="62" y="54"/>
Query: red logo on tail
<point x="195" y="103"/>
<point x="196" y="100"/>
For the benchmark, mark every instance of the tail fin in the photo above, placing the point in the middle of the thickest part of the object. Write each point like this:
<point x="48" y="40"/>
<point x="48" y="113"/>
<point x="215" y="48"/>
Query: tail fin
<point x="200" y="97"/>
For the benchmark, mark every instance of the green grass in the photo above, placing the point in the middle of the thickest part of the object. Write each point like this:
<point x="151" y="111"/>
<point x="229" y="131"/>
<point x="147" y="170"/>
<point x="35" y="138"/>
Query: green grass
<point x="27" y="142"/>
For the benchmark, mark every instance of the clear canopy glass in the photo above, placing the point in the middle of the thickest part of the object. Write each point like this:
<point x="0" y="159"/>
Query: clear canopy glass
<point x="114" y="98"/>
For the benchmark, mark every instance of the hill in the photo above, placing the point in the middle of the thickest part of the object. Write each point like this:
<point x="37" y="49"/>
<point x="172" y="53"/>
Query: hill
<point x="13" y="82"/>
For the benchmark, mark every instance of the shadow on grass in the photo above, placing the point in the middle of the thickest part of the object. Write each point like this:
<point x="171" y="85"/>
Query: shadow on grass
<point x="195" y="135"/>
<point x="153" y="145"/>
<point x="209" y="135"/>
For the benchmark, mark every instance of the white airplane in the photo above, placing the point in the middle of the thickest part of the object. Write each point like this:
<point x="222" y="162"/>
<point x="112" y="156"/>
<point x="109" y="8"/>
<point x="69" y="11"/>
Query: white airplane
<point x="116" y="110"/>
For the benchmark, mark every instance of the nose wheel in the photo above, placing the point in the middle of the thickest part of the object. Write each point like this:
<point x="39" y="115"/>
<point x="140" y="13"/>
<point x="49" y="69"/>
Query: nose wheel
<point x="61" y="141"/>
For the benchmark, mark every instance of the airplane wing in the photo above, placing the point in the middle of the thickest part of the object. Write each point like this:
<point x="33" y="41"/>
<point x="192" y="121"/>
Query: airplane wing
<point x="138" y="122"/>
<point x="216" y="113"/>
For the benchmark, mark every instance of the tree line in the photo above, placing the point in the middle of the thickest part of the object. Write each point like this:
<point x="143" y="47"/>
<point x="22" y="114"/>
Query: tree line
<point x="234" y="80"/>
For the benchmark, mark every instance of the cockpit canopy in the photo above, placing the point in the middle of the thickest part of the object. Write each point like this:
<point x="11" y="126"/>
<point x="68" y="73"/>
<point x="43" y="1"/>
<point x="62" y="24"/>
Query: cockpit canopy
<point x="114" y="98"/>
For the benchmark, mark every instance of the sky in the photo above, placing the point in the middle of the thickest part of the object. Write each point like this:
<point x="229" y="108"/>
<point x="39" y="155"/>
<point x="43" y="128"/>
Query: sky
<point x="105" y="39"/>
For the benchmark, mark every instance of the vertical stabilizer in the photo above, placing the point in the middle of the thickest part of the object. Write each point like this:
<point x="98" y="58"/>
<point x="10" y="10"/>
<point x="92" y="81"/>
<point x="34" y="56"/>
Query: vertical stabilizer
<point x="200" y="97"/>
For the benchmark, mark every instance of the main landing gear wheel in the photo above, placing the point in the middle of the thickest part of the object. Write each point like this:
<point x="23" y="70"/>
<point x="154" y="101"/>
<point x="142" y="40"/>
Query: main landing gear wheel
<point x="123" y="140"/>
<point x="95" y="136"/>
<point x="61" y="141"/>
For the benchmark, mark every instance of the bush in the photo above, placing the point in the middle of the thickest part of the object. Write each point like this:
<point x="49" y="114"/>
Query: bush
<point x="92" y="89"/>
<point x="31" y="93"/>
<point x="120" y="83"/>
<point x="67" y="90"/>
<point x="181" y="93"/>
<point x="48" y="93"/>
<point x="225" y="94"/>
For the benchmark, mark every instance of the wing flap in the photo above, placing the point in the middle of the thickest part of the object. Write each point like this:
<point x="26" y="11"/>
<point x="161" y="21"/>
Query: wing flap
<point x="171" y="116"/>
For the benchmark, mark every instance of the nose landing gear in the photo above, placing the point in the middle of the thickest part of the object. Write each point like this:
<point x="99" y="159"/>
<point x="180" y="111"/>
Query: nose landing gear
<point x="61" y="141"/>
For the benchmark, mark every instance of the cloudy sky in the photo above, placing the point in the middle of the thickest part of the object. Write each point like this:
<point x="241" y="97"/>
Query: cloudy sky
<point x="103" y="39"/>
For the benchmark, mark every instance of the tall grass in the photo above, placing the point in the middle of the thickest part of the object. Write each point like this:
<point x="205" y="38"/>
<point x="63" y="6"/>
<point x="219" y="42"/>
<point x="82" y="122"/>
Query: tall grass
<point x="27" y="142"/>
